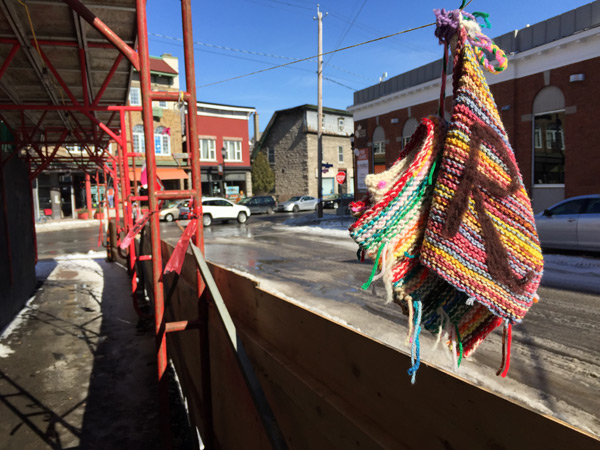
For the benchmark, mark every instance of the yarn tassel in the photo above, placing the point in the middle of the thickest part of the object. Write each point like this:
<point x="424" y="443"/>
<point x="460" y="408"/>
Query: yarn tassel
<point x="375" y="266"/>
<point x="410" y="319"/>
<point x="460" y="346"/>
<point x="506" y="344"/>
<point x="415" y="351"/>
<point x="442" y="315"/>
<point x="453" y="349"/>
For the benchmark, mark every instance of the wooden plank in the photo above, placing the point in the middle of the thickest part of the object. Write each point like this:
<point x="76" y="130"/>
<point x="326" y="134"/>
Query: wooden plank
<point x="440" y="410"/>
<point x="332" y="387"/>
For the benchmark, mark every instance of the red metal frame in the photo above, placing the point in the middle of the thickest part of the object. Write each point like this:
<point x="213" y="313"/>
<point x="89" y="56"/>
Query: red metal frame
<point x="117" y="166"/>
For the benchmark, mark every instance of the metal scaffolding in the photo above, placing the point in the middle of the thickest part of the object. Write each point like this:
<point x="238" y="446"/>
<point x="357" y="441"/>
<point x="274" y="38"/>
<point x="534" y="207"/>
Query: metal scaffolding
<point x="64" y="110"/>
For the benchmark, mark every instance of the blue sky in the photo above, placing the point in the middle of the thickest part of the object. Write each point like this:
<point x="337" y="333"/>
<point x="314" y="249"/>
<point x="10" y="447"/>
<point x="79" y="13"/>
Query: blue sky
<point x="266" y="33"/>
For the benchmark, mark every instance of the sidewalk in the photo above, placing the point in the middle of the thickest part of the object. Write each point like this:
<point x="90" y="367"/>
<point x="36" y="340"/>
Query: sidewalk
<point x="75" y="371"/>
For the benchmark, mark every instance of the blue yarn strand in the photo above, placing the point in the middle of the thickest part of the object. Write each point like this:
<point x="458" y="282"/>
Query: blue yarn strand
<point x="415" y="350"/>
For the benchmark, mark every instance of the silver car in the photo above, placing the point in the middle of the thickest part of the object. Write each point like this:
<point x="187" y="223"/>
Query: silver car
<point x="299" y="203"/>
<point x="172" y="210"/>
<point x="573" y="224"/>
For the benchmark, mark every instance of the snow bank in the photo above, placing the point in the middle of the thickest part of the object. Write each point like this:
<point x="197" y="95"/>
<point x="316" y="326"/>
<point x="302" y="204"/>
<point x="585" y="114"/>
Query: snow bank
<point x="65" y="225"/>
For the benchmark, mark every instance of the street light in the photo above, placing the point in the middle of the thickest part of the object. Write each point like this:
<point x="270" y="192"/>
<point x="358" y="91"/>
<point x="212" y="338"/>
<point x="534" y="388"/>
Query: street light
<point x="223" y="155"/>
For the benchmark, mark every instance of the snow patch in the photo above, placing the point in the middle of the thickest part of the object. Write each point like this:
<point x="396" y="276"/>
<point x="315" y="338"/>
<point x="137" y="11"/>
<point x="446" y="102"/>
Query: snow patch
<point x="5" y="351"/>
<point x="65" y="224"/>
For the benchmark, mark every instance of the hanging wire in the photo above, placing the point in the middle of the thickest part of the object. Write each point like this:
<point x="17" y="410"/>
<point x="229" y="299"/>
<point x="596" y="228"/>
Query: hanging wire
<point x="316" y="56"/>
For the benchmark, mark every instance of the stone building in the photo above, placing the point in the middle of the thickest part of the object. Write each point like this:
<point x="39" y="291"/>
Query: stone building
<point x="290" y="143"/>
<point x="546" y="98"/>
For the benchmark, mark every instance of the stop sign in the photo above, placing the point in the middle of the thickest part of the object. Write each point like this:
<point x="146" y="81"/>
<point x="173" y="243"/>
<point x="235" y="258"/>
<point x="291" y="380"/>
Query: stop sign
<point x="340" y="177"/>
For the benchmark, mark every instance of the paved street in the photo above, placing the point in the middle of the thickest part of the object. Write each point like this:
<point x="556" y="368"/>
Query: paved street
<point x="555" y="354"/>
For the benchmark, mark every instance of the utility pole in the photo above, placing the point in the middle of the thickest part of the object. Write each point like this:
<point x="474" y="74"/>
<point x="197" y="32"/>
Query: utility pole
<point x="320" y="115"/>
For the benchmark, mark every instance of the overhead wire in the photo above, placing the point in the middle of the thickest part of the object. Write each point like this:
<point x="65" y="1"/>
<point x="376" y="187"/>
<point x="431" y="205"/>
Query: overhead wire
<point x="316" y="56"/>
<point x="346" y="31"/>
<point x="268" y="63"/>
<point x="252" y="52"/>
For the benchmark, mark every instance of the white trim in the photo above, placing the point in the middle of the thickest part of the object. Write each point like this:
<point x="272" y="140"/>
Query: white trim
<point x="224" y="116"/>
<point x="563" y="52"/>
<point x="225" y="107"/>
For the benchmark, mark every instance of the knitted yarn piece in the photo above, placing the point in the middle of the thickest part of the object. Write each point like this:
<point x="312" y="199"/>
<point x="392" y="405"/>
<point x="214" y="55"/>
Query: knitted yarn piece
<point x="481" y="234"/>
<point x="391" y="230"/>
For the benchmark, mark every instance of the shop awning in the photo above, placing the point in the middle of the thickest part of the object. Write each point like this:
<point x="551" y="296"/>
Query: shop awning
<point x="164" y="173"/>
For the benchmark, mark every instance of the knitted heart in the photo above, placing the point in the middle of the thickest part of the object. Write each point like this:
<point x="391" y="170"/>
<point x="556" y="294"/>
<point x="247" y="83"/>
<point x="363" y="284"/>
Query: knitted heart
<point x="481" y="234"/>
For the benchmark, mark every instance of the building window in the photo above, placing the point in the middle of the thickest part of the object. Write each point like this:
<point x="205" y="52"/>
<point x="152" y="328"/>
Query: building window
<point x="340" y="154"/>
<point x="379" y="148"/>
<point x="548" y="137"/>
<point x="162" y="140"/>
<point x="409" y="128"/>
<point x="162" y="104"/>
<point x="234" y="150"/>
<point x="139" y="146"/>
<point x="271" y="155"/>
<point x="549" y="148"/>
<point x="135" y="98"/>
<point x="341" y="124"/>
<point x="207" y="150"/>
<point x="74" y="148"/>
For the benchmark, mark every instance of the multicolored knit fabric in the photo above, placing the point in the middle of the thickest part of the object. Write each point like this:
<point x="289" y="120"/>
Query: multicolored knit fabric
<point x="481" y="234"/>
<point x="391" y="230"/>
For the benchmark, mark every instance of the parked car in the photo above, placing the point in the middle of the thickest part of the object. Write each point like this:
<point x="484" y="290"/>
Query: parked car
<point x="572" y="224"/>
<point x="299" y="203"/>
<point x="260" y="204"/>
<point x="216" y="208"/>
<point x="336" y="200"/>
<point x="171" y="211"/>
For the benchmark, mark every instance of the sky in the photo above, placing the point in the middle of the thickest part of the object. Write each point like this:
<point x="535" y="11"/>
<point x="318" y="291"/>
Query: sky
<point x="237" y="37"/>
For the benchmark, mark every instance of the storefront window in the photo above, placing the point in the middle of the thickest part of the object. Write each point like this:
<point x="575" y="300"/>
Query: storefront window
<point x="549" y="148"/>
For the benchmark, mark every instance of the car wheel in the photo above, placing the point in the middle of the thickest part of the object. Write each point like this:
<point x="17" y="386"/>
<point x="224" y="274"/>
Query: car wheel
<point x="242" y="217"/>
<point x="206" y="220"/>
<point x="169" y="217"/>
<point x="270" y="211"/>
<point x="335" y="206"/>
<point x="295" y="208"/>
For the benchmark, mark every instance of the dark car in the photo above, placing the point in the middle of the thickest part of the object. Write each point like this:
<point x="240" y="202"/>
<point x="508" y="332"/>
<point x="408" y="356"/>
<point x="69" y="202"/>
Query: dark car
<point x="337" y="200"/>
<point x="260" y="204"/>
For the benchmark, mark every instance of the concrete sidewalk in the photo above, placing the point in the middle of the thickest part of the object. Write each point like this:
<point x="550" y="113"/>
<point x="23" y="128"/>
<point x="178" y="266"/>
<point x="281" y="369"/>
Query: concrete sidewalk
<point x="75" y="369"/>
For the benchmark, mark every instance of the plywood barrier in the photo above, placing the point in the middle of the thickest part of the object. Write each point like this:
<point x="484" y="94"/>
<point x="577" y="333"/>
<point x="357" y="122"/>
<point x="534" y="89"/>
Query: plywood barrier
<point x="331" y="387"/>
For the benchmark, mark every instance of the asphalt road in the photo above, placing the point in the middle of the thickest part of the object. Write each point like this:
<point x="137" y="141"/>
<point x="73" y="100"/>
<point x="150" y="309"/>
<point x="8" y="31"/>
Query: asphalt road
<point x="555" y="365"/>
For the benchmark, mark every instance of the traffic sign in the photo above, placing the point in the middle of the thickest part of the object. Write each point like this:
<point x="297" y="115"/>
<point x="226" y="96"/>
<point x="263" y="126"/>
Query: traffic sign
<point x="340" y="177"/>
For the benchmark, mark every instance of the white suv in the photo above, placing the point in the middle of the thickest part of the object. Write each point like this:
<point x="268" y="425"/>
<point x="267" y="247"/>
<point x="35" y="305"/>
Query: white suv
<point x="216" y="208"/>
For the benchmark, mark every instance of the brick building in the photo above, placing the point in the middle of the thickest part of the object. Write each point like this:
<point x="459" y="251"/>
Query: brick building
<point x="224" y="149"/>
<point x="290" y="143"/>
<point x="168" y="122"/>
<point x="546" y="98"/>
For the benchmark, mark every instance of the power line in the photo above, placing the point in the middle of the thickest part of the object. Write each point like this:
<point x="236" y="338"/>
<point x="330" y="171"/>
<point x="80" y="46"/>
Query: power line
<point x="345" y="33"/>
<point x="263" y="62"/>
<point x="251" y="52"/>
<point x="316" y="56"/>
<point x="341" y="84"/>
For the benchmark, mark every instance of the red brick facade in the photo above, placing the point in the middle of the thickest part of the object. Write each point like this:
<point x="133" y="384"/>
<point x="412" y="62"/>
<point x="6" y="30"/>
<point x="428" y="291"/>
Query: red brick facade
<point x="515" y="99"/>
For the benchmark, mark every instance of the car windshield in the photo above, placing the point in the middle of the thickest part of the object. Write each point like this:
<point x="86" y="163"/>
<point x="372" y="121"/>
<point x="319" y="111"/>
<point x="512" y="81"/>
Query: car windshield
<point x="244" y="201"/>
<point x="294" y="199"/>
